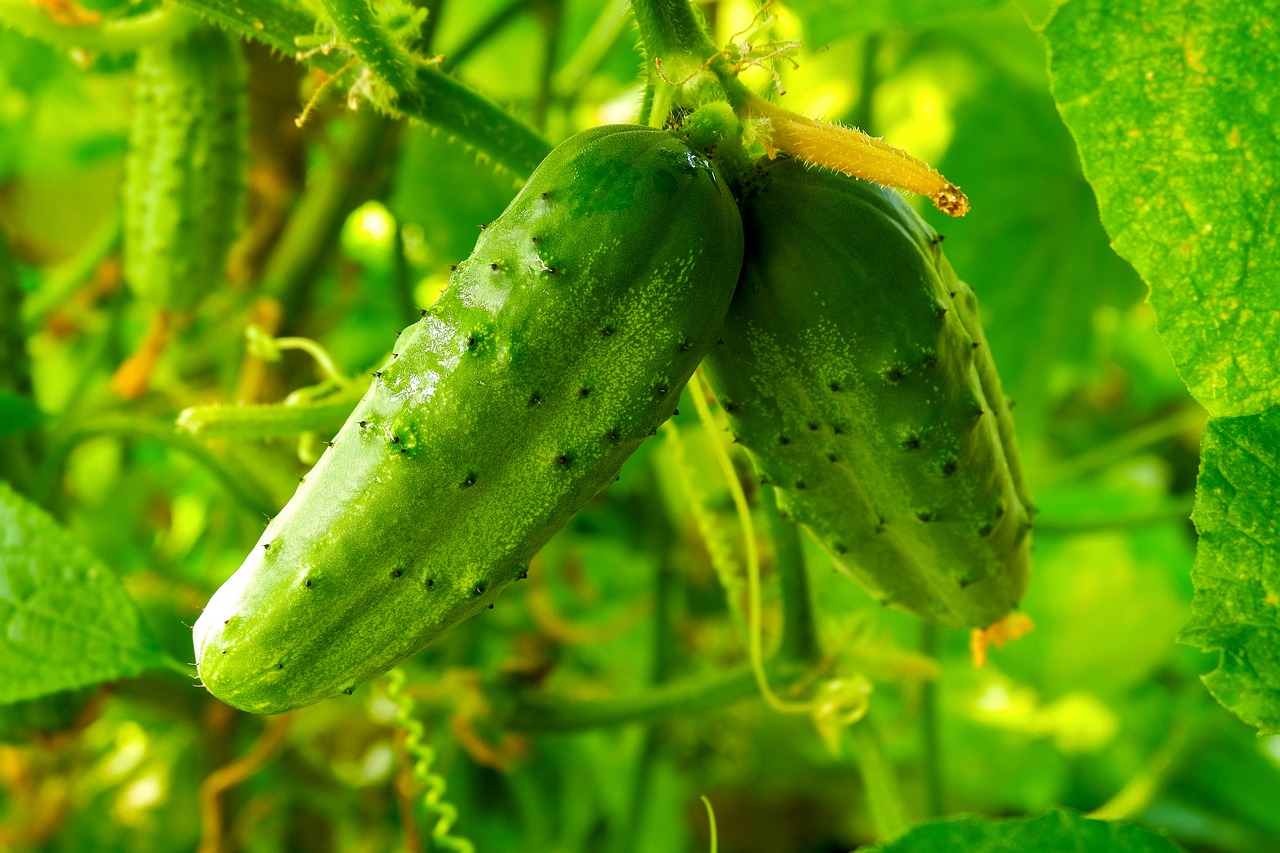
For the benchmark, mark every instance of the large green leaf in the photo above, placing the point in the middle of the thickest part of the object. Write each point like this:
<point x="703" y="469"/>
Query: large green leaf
<point x="1237" y="573"/>
<point x="1052" y="832"/>
<point x="1173" y="107"/>
<point x="65" y="621"/>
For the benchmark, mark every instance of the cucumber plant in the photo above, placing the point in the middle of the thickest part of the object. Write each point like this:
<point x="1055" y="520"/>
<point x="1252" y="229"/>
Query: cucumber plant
<point x="561" y="343"/>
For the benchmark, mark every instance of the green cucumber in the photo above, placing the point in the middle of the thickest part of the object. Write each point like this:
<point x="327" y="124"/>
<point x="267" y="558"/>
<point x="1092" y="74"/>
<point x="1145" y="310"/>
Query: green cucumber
<point x="185" y="175"/>
<point x="561" y="343"/>
<point x="855" y="374"/>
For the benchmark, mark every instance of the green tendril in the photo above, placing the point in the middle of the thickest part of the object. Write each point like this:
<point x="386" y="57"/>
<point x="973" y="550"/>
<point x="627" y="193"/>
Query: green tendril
<point x="446" y="813"/>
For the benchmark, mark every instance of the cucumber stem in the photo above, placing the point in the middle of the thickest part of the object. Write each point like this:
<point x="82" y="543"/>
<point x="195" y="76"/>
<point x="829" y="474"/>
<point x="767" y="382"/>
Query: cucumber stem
<point x="358" y="26"/>
<point x="431" y="97"/>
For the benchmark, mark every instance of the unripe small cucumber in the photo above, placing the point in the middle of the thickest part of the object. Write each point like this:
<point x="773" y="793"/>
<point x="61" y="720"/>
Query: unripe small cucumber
<point x="856" y="376"/>
<point x="561" y="343"/>
<point x="185" y="174"/>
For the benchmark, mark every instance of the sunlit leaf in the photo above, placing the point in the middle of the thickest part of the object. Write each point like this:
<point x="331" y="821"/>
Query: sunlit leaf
<point x="1173" y="109"/>
<point x="66" y="620"/>
<point x="1237" y="573"/>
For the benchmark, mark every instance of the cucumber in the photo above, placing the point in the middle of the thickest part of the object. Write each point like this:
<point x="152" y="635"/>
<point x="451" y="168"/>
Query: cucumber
<point x="855" y="374"/>
<point x="185" y="175"/>
<point x="561" y="343"/>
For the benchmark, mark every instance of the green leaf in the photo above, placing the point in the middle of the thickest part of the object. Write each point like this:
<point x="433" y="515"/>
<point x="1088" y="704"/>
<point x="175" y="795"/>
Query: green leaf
<point x="1053" y="832"/>
<point x="1172" y="109"/>
<point x="1236" y="608"/>
<point x="18" y="413"/>
<point x="65" y="621"/>
<point x="827" y="20"/>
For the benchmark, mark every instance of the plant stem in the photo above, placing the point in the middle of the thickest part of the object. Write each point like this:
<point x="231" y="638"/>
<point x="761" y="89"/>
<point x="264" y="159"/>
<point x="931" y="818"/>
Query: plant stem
<point x="61" y="282"/>
<point x="537" y="714"/>
<point x="661" y="536"/>
<point x="592" y="50"/>
<point x="359" y="28"/>
<point x="1181" y="420"/>
<point x="269" y="420"/>
<point x="120" y="35"/>
<point x="877" y="779"/>
<point x="799" y="633"/>
<point x="931" y="729"/>
<point x="432" y="97"/>
<point x="1173" y="510"/>
<point x="237" y="481"/>
<point x="19" y="451"/>
<point x="1130" y="801"/>
<point x="670" y="29"/>
<point x="490" y="27"/>
<point x="551" y="14"/>
<point x="311" y="233"/>
<point x="864" y="115"/>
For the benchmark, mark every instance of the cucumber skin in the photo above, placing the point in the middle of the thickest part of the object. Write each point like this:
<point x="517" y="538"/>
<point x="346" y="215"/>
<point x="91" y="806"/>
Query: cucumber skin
<point x="614" y="268"/>
<point x="185" y="175"/>
<point x="856" y="376"/>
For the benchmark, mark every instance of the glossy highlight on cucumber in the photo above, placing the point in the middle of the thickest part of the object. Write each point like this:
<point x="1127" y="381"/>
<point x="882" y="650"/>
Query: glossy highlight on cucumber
<point x="561" y="343"/>
<point x="857" y="378"/>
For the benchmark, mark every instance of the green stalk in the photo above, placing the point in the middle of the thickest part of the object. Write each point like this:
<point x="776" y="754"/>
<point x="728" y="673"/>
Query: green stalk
<point x="1172" y="510"/>
<point x="431" y="96"/>
<point x="62" y="281"/>
<point x="552" y="17"/>
<point x="490" y="27"/>
<point x="358" y="27"/>
<point x="878" y="780"/>
<point x="238" y="483"/>
<point x="269" y="420"/>
<point x="671" y="29"/>
<point x="665" y="580"/>
<point x="592" y="50"/>
<point x="120" y="35"/>
<point x="931" y="729"/>
<point x="17" y="452"/>
<point x="539" y="714"/>
<point x="799" y="632"/>
<point x="311" y="234"/>
<point x="1183" y="419"/>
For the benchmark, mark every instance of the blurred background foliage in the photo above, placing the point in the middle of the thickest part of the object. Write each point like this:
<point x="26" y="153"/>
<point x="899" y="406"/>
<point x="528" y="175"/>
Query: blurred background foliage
<point x="354" y="221"/>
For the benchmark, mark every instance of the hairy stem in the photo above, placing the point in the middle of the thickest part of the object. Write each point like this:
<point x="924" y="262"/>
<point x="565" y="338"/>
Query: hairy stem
<point x="431" y="96"/>
<point x="360" y="29"/>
